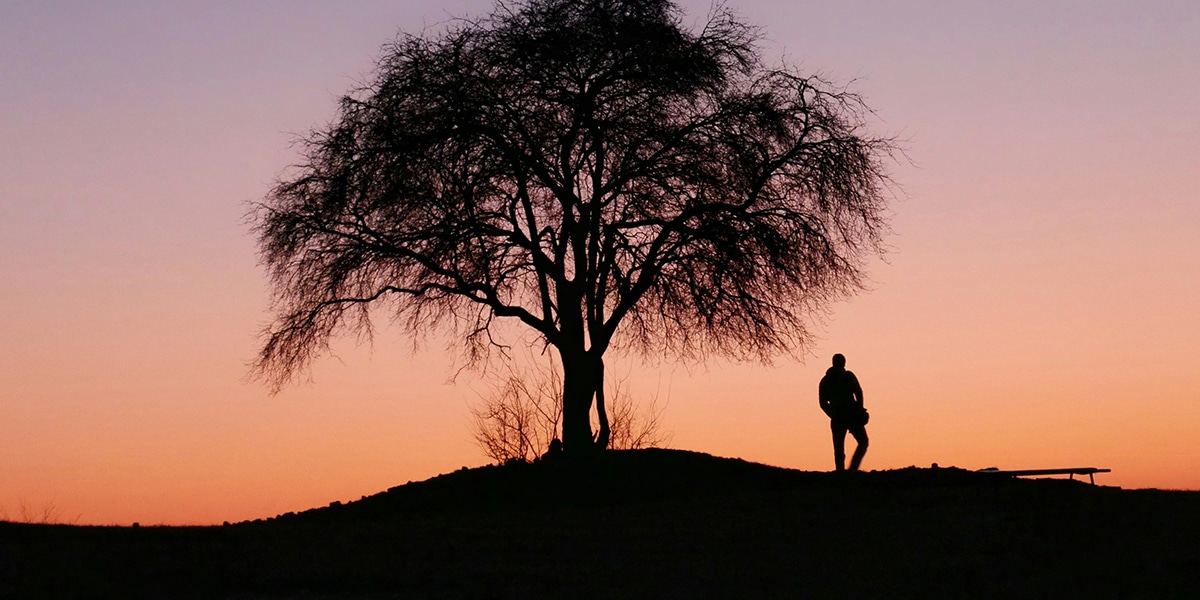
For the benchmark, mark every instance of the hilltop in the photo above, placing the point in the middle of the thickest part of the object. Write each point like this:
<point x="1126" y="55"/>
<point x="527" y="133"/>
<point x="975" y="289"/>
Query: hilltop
<point x="650" y="523"/>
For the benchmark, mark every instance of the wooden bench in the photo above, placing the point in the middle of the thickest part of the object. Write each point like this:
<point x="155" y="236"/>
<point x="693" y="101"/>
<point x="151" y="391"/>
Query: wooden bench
<point x="1072" y="471"/>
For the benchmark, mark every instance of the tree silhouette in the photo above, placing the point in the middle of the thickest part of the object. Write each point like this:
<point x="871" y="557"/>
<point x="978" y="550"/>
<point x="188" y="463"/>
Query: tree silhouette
<point x="590" y="169"/>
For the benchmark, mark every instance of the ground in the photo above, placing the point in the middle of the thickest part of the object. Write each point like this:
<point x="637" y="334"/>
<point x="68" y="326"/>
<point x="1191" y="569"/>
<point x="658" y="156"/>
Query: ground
<point x="650" y="523"/>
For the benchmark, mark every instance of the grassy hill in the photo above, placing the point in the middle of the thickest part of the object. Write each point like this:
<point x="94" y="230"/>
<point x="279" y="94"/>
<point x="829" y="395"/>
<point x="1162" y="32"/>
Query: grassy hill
<point x="650" y="523"/>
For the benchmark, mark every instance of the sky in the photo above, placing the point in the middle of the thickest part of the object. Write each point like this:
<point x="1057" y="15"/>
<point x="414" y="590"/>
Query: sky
<point x="1037" y="307"/>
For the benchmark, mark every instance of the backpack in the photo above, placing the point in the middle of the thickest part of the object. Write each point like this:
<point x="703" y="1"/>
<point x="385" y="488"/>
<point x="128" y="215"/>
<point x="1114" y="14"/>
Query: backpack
<point x="859" y="415"/>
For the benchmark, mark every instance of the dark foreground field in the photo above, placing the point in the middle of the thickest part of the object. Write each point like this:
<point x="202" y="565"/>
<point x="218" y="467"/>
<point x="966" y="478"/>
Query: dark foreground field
<point x="650" y="524"/>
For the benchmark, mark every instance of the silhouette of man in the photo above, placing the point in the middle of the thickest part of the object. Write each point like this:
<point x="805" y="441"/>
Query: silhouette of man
<point x="841" y="397"/>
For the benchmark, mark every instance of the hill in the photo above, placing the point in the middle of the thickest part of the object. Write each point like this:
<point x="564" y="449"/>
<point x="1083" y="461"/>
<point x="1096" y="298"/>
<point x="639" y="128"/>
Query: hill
<point x="650" y="523"/>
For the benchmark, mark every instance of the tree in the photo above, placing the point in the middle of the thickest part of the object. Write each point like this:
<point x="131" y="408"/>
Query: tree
<point x="589" y="169"/>
<point x="521" y="416"/>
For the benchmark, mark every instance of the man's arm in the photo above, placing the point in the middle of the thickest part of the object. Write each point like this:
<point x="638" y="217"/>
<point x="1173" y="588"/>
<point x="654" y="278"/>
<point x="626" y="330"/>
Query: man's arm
<point x="823" y="398"/>
<point x="855" y="387"/>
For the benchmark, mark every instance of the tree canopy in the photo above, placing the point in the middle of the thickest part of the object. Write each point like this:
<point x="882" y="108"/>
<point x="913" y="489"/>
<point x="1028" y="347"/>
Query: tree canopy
<point x="591" y="169"/>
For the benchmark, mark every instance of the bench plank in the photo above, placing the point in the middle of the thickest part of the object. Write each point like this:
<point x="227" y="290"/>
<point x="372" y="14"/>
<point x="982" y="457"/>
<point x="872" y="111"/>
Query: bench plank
<point x="1072" y="471"/>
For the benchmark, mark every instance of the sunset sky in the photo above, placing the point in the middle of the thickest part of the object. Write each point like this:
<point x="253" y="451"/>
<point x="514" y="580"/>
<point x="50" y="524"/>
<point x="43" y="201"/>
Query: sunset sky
<point x="1038" y="308"/>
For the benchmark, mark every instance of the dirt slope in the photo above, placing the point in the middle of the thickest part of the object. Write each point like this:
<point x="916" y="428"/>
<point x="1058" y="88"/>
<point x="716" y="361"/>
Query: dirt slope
<point x="650" y="524"/>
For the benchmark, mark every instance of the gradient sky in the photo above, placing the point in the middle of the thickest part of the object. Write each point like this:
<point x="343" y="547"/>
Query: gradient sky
<point x="1038" y="307"/>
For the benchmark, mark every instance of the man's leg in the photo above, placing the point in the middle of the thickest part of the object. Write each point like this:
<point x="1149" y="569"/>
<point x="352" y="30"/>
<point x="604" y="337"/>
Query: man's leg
<point x="860" y="437"/>
<point x="839" y="445"/>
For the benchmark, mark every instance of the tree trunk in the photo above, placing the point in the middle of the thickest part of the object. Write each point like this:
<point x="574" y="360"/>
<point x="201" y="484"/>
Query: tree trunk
<point x="602" y="436"/>
<point x="578" y="389"/>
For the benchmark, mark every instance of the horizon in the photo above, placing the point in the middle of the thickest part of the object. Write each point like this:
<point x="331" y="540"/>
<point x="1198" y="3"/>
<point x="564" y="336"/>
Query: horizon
<point x="1034" y="310"/>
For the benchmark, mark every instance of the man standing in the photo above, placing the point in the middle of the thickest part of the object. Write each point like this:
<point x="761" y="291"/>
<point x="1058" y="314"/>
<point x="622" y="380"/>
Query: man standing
<point x="841" y="398"/>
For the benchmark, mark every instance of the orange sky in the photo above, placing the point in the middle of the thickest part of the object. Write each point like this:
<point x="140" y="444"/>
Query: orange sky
<point x="1037" y="310"/>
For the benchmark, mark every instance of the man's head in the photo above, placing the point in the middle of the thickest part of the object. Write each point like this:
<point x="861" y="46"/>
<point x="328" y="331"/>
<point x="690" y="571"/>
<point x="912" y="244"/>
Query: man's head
<point x="839" y="361"/>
